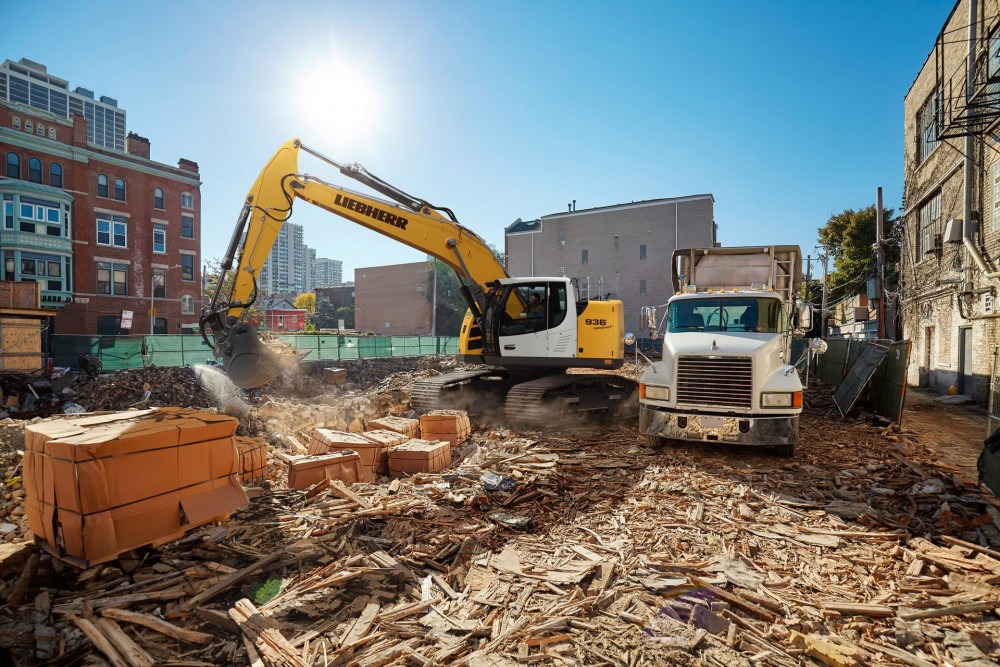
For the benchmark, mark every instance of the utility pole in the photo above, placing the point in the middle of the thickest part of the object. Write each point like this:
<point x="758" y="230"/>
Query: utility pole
<point x="809" y="264"/>
<point x="826" y="290"/>
<point x="434" y="298"/>
<point x="879" y="267"/>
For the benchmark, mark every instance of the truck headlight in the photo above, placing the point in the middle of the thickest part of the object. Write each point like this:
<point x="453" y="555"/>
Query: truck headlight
<point x="790" y="399"/>
<point x="654" y="393"/>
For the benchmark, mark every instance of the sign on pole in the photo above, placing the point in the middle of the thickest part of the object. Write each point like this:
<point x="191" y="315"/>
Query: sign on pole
<point x="126" y="319"/>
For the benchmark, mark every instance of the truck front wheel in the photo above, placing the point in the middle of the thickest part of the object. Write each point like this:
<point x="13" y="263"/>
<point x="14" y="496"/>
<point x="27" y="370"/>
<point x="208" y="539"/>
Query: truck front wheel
<point x="657" y="441"/>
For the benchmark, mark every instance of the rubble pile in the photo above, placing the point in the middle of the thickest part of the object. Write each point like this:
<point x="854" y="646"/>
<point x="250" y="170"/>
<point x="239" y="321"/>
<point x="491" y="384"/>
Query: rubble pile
<point x="143" y="387"/>
<point x="575" y="547"/>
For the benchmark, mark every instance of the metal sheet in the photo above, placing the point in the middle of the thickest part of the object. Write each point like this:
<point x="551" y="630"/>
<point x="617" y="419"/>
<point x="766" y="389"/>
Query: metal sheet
<point x="857" y="378"/>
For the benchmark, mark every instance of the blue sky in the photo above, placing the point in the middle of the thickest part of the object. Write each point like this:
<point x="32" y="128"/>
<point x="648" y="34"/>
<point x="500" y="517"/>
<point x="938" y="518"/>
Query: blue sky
<point x="787" y="112"/>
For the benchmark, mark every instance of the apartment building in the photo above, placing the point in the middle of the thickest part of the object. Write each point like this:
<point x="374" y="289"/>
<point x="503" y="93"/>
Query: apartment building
<point x="614" y="252"/>
<point x="112" y="235"/>
<point x="950" y="241"/>
<point x="289" y="267"/>
<point x="327" y="272"/>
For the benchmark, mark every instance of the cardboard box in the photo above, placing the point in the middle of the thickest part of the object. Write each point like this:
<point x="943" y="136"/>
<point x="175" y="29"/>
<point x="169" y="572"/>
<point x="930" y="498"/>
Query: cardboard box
<point x="372" y="452"/>
<point x="450" y="425"/>
<point x="408" y="427"/>
<point x="252" y="459"/>
<point x="419" y="456"/>
<point x="98" y="486"/>
<point x="304" y="471"/>
<point x="388" y="438"/>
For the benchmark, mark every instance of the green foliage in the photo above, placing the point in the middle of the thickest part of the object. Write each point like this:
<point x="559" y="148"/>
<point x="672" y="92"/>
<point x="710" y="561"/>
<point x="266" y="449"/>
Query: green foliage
<point x="211" y="270"/>
<point x="267" y="591"/>
<point x="309" y="327"/>
<point x="306" y="301"/>
<point x="451" y="304"/>
<point x="325" y="316"/>
<point x="849" y="238"/>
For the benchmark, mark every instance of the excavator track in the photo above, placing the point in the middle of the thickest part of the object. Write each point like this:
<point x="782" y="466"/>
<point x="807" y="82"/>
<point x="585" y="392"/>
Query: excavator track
<point x="445" y="391"/>
<point x="558" y="400"/>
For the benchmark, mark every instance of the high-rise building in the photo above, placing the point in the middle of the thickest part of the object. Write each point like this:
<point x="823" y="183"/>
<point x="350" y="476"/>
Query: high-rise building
<point x="29" y="83"/>
<point x="327" y="272"/>
<point x="112" y="236"/>
<point x="288" y="269"/>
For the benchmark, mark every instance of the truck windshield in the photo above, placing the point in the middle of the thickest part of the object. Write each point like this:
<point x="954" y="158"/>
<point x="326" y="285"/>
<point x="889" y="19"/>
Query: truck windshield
<point x="761" y="315"/>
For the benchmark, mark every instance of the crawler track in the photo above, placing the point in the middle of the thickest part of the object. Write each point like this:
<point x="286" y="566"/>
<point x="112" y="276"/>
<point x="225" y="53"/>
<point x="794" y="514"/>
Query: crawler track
<point x="556" y="400"/>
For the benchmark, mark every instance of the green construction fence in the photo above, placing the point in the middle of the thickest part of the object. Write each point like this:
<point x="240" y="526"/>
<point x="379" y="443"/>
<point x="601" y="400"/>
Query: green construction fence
<point x="121" y="352"/>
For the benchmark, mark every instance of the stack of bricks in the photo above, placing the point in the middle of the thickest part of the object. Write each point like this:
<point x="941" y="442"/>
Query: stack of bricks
<point x="372" y="452"/>
<point x="449" y="425"/>
<point x="408" y="427"/>
<point x="417" y="456"/>
<point x="345" y="465"/>
<point x="253" y="459"/>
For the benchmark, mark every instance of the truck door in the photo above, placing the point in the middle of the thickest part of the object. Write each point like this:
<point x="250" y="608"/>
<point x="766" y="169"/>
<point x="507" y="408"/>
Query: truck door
<point x="535" y="319"/>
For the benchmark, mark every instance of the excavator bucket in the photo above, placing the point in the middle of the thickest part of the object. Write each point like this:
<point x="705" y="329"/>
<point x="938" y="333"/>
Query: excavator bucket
<point x="250" y="363"/>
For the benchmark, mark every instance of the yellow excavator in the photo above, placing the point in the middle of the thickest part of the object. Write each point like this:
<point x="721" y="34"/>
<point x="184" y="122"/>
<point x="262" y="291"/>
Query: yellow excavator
<point x="523" y="333"/>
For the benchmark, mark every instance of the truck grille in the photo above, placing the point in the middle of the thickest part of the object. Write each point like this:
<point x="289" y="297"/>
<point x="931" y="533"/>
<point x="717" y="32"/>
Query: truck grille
<point x="726" y="381"/>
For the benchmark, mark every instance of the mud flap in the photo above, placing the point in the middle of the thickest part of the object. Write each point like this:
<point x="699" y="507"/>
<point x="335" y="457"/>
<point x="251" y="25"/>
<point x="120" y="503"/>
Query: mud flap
<point x="989" y="463"/>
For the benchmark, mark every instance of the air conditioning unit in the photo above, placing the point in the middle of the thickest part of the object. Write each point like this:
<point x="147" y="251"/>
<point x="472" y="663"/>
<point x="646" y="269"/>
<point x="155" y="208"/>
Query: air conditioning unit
<point x="861" y="313"/>
<point x="935" y="245"/>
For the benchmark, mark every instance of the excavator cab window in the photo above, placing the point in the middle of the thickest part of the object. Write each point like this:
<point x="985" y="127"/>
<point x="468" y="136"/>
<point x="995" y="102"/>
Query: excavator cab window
<point x="533" y="307"/>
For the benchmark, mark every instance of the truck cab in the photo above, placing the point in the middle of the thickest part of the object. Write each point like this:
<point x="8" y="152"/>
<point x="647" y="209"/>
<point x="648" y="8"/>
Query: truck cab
<point x="725" y="375"/>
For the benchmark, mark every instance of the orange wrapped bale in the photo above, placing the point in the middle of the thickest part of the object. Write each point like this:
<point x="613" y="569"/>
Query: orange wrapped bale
<point x="450" y="425"/>
<point x="408" y="427"/>
<point x="304" y="471"/>
<point x="253" y="459"/>
<point x="417" y="456"/>
<point x="98" y="486"/>
<point x="373" y="453"/>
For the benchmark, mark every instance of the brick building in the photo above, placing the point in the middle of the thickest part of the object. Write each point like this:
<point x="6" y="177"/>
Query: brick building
<point x="284" y="316"/>
<point x="392" y="300"/>
<point x="618" y="252"/>
<point x="950" y="241"/>
<point x="104" y="230"/>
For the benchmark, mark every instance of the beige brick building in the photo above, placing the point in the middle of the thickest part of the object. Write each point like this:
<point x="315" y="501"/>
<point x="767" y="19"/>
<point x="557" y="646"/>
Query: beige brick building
<point x="618" y="251"/>
<point x="950" y="240"/>
<point x="392" y="300"/>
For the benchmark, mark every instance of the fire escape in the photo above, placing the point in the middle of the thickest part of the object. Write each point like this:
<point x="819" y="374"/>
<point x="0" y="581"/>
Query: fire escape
<point x="961" y="114"/>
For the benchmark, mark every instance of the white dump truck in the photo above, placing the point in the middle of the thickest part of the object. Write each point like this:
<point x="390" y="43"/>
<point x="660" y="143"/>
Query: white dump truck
<point x="726" y="375"/>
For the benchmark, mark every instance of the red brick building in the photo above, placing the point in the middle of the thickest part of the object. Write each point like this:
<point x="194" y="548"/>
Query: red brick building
<point x="105" y="231"/>
<point x="392" y="300"/>
<point x="283" y="316"/>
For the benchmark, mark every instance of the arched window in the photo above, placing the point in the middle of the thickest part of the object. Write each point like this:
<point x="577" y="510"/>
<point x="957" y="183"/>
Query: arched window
<point x="158" y="198"/>
<point x="34" y="170"/>
<point x="13" y="165"/>
<point x="55" y="175"/>
<point x="187" y="201"/>
<point x="187" y="304"/>
<point x="120" y="189"/>
<point x="102" y="185"/>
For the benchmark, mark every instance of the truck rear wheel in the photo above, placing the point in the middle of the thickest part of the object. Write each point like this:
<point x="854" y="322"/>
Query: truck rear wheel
<point x="788" y="451"/>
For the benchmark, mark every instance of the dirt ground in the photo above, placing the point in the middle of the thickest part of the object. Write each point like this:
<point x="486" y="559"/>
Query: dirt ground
<point x="954" y="432"/>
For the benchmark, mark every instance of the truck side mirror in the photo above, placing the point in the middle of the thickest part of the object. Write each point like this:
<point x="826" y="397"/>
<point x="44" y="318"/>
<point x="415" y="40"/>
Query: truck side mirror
<point x="805" y="316"/>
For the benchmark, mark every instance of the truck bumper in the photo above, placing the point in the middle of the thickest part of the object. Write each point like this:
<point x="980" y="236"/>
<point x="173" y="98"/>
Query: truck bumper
<point x="749" y="430"/>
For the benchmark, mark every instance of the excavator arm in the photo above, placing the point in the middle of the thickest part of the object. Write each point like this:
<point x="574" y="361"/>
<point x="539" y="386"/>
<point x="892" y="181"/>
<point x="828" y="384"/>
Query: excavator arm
<point x="409" y="220"/>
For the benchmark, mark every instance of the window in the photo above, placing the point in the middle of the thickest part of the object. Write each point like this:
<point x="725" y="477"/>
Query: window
<point x="187" y="304"/>
<point x="642" y="285"/>
<point x="533" y="307"/>
<point x="108" y="325"/>
<point x="112" y="279"/>
<point x="120" y="189"/>
<point x="112" y="230"/>
<point x="993" y="59"/>
<point x="187" y="226"/>
<point x="158" y="198"/>
<point x="15" y="122"/>
<point x="13" y="165"/>
<point x="29" y="126"/>
<point x="187" y="201"/>
<point x="187" y="267"/>
<point x="160" y="326"/>
<point x="583" y="256"/>
<point x="52" y="133"/>
<point x="928" y="125"/>
<point x="753" y="315"/>
<point x="46" y="269"/>
<point x="281" y="321"/>
<point x="8" y="211"/>
<point x="34" y="211"/>
<point x="160" y="283"/>
<point x="55" y="175"/>
<point x="102" y="185"/>
<point x="928" y="238"/>
<point x="995" y="216"/>
<point x="159" y="238"/>
<point x="642" y="251"/>
<point x="34" y="170"/>
<point x="40" y="130"/>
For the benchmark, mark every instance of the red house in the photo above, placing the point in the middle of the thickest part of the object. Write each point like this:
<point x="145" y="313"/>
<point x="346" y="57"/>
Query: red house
<point x="283" y="316"/>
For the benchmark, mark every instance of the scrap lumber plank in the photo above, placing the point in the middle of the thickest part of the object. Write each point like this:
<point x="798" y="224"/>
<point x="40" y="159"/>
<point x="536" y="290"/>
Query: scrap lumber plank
<point x="161" y="626"/>
<point x="218" y="619"/>
<point x="230" y="580"/>
<point x="859" y="609"/>
<point x="24" y="581"/>
<point x="363" y="623"/>
<point x="834" y="655"/>
<point x="969" y="545"/>
<point x="135" y="654"/>
<point x="339" y="488"/>
<point x="737" y="601"/>
<point x="262" y="632"/>
<point x="956" y="610"/>
<point x="899" y="654"/>
<point x="99" y="640"/>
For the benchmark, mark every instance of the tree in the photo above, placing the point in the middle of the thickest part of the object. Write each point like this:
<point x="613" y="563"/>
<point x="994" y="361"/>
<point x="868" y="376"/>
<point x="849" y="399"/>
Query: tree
<point x="306" y="301"/>
<point x="211" y="271"/>
<point x="450" y="306"/>
<point x="849" y="238"/>
<point x="325" y="316"/>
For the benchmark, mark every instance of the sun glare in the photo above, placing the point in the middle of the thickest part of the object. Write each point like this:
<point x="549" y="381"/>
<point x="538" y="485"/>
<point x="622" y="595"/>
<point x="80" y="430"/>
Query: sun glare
<point x="337" y="104"/>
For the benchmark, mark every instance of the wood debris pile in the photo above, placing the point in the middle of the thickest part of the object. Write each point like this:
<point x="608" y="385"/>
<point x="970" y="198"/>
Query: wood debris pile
<point x="573" y="548"/>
